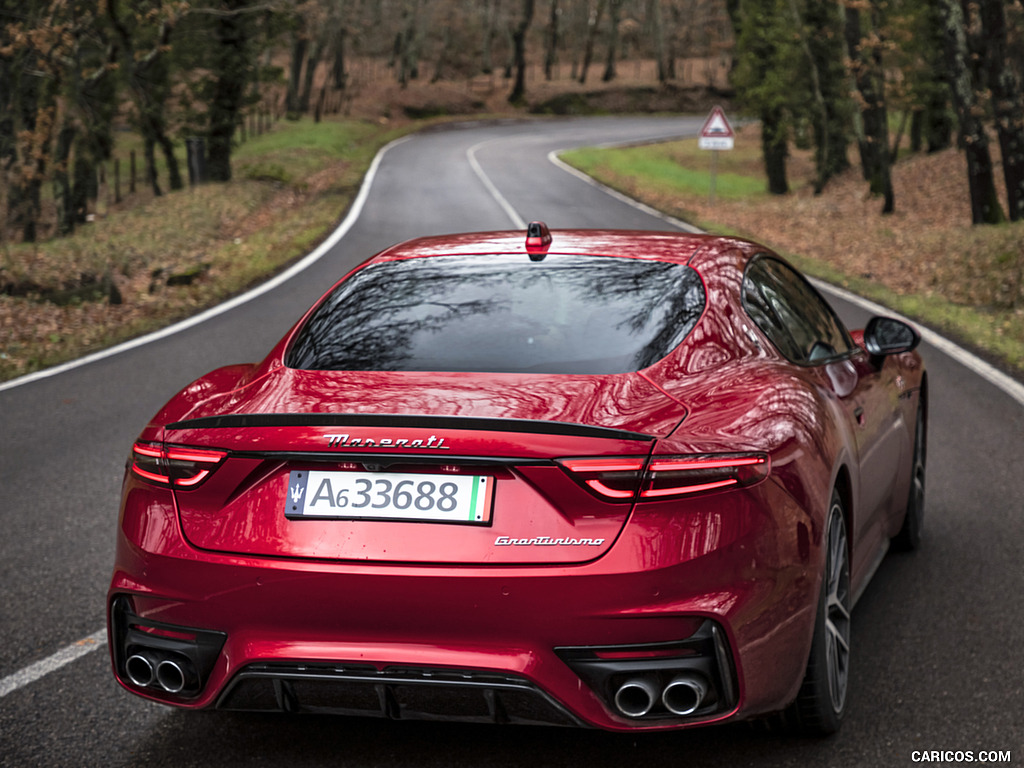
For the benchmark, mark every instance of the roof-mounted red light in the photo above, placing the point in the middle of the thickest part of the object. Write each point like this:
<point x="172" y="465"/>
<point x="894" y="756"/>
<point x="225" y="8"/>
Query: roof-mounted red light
<point x="538" y="239"/>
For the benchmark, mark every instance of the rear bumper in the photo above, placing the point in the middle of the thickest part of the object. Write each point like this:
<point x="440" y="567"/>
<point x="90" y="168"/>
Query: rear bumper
<point x="500" y="644"/>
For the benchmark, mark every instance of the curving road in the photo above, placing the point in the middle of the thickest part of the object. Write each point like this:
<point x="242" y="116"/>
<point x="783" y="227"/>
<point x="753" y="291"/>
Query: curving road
<point x="937" y="637"/>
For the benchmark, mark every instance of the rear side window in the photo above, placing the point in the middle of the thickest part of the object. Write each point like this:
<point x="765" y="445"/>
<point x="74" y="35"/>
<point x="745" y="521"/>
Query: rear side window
<point x="503" y="313"/>
<point x="799" y="322"/>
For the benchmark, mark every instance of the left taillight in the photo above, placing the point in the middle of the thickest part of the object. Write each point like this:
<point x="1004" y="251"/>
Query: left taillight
<point x="664" y="477"/>
<point x="175" y="466"/>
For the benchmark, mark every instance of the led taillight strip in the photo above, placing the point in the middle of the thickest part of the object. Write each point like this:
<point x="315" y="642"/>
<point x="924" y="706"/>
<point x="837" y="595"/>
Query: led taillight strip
<point x="684" y="475"/>
<point x="191" y="465"/>
<point x="626" y="466"/>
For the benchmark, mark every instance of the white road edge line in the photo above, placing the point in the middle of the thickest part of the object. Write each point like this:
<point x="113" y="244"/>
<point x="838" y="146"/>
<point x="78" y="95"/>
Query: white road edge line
<point x="678" y="223"/>
<point x="972" y="362"/>
<point x="65" y="655"/>
<point x="294" y="269"/>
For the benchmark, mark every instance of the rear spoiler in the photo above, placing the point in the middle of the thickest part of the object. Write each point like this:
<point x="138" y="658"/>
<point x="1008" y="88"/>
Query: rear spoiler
<point x="406" y="421"/>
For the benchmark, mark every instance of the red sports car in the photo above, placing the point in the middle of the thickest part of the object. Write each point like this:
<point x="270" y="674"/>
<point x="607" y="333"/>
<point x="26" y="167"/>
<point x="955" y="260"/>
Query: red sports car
<point x="629" y="480"/>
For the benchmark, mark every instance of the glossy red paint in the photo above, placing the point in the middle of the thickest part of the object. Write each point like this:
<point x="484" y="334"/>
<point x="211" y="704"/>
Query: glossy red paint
<point x="585" y="548"/>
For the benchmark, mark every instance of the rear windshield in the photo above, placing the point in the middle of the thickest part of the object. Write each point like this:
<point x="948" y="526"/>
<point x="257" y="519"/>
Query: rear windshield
<point x="503" y="313"/>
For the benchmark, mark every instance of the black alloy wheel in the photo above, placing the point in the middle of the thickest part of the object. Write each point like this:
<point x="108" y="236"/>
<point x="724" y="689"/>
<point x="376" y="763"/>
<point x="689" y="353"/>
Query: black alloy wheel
<point x="821" y="703"/>
<point x="909" y="536"/>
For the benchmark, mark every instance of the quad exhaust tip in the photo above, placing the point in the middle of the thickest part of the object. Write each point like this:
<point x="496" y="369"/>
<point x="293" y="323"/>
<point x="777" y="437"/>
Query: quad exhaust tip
<point x="148" y="670"/>
<point x="636" y="697"/>
<point x="171" y="676"/>
<point x="140" y="670"/>
<point x="682" y="696"/>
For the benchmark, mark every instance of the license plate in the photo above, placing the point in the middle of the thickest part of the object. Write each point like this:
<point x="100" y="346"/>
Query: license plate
<point x="390" y="496"/>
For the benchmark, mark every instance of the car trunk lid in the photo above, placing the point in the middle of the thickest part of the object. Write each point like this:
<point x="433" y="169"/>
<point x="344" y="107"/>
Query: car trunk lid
<point x="415" y="467"/>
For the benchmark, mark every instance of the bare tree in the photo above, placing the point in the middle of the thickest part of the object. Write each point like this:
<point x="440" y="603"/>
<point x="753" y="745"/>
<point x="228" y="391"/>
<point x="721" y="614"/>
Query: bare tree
<point x="1006" y="103"/>
<point x="593" y="24"/>
<point x="519" y="46"/>
<point x="868" y="74"/>
<point x="985" y="208"/>
<point x="614" y="14"/>
<point x="551" y="40"/>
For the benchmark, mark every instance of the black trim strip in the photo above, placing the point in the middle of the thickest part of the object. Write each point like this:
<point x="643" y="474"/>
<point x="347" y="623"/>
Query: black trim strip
<point x="387" y="460"/>
<point x="402" y="421"/>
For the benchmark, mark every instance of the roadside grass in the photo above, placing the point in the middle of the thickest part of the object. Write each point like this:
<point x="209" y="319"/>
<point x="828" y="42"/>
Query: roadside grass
<point x="669" y="168"/>
<point x="132" y="271"/>
<point x="927" y="263"/>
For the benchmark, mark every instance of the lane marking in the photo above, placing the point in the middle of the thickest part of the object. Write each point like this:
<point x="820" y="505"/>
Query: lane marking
<point x="969" y="360"/>
<point x="65" y="655"/>
<point x="679" y="223"/>
<point x="202" y="317"/>
<point x="1013" y="388"/>
<point x="517" y="220"/>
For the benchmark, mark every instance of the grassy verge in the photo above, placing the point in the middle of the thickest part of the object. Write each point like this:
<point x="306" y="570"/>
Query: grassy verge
<point x="158" y="260"/>
<point x="928" y="262"/>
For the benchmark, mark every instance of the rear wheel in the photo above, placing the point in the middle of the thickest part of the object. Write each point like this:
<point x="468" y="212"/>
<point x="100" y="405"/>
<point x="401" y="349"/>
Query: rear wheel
<point x="821" y="703"/>
<point x="909" y="536"/>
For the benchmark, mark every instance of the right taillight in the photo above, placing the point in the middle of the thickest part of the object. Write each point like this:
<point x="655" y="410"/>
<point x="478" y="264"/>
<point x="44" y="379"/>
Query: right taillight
<point x="665" y="477"/>
<point x="669" y="476"/>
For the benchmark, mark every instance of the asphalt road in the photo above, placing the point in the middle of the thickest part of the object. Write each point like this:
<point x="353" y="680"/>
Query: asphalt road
<point x="937" y="637"/>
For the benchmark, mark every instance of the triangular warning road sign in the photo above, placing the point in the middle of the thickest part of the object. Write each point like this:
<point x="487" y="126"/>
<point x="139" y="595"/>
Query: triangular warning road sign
<point x="716" y="133"/>
<point x="716" y="126"/>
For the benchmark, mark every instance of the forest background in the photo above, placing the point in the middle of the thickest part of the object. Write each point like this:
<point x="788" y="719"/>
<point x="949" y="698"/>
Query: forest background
<point x="157" y="156"/>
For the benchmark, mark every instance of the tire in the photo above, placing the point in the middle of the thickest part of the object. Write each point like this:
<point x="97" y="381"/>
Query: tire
<point x="821" y="703"/>
<point x="909" y="536"/>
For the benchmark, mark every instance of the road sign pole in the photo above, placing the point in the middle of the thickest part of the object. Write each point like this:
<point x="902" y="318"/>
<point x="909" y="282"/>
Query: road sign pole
<point x="715" y="135"/>
<point x="714" y="174"/>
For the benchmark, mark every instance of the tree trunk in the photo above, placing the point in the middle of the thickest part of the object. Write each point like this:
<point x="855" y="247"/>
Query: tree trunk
<point x="405" y="44"/>
<point x="61" y="180"/>
<point x="551" y="41"/>
<point x="659" y="39"/>
<point x="232" y="60"/>
<point x="518" y="94"/>
<point x="869" y="80"/>
<point x="170" y="160"/>
<point x="615" y="11"/>
<point x="149" y="81"/>
<point x="1006" y="104"/>
<point x="312" y="62"/>
<point x="339" y="74"/>
<point x="149" y="155"/>
<point x="774" y="147"/>
<point x="593" y="23"/>
<point x="84" y="186"/>
<point x="487" y="54"/>
<point x="937" y="124"/>
<point x="985" y="208"/>
<point x="300" y="45"/>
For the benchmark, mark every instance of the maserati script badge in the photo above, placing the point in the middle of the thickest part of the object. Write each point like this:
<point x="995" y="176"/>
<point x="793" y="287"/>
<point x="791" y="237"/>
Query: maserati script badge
<point x="347" y="441"/>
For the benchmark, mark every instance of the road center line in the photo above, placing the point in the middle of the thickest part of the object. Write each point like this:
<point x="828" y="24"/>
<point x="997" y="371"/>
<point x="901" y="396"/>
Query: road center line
<point x="65" y="655"/>
<point x="517" y="220"/>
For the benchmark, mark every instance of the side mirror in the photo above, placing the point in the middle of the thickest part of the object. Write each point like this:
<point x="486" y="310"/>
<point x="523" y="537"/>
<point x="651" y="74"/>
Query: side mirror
<point x="888" y="336"/>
